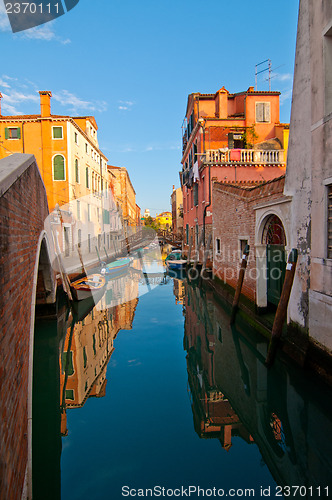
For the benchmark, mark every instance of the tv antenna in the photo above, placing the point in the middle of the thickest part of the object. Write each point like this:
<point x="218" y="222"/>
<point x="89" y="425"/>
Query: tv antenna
<point x="268" y="67"/>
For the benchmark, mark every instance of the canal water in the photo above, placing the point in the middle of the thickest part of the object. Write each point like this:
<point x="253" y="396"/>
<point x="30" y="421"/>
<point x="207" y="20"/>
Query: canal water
<point x="158" y="395"/>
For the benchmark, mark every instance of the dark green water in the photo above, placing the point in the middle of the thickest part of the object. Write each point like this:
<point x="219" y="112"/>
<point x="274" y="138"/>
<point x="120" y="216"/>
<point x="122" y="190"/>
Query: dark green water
<point x="165" y="394"/>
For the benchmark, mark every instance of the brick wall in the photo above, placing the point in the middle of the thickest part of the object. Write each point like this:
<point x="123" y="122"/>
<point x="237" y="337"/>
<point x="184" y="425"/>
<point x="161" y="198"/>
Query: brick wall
<point x="23" y="209"/>
<point x="234" y="219"/>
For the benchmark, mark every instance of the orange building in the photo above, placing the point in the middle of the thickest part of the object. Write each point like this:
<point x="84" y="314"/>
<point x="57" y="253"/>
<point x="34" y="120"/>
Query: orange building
<point x="66" y="149"/>
<point x="124" y="194"/>
<point x="232" y="138"/>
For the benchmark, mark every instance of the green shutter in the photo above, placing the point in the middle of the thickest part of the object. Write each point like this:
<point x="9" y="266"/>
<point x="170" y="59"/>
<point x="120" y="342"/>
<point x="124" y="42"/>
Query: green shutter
<point x="18" y="133"/>
<point x="87" y="177"/>
<point x="76" y="170"/>
<point x="67" y="363"/>
<point x="106" y="217"/>
<point x="59" y="168"/>
<point x="6" y="133"/>
<point x="85" y="359"/>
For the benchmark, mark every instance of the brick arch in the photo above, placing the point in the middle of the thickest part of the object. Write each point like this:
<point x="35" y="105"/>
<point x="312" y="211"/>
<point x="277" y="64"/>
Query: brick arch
<point x="43" y="292"/>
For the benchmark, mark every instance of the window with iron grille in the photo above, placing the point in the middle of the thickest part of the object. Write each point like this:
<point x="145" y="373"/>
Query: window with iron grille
<point x="329" y="223"/>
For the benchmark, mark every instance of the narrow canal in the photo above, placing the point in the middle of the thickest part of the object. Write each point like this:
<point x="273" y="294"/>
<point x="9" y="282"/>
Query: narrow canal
<point x="157" y="391"/>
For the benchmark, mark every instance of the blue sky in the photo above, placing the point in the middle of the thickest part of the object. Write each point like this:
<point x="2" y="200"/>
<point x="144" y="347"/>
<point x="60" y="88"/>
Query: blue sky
<point x="132" y="65"/>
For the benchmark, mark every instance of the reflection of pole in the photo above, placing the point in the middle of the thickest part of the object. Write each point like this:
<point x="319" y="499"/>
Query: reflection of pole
<point x="282" y="307"/>
<point x="239" y="283"/>
<point x="63" y="404"/>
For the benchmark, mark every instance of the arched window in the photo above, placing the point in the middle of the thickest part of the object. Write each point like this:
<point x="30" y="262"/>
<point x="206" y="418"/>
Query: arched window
<point x="77" y="178"/>
<point x="59" y="173"/>
<point x="274" y="233"/>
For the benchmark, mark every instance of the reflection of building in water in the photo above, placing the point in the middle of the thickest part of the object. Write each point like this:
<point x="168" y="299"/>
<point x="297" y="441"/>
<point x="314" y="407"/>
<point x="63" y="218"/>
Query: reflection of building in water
<point x="213" y="415"/>
<point x="287" y="413"/>
<point x="179" y="291"/>
<point x="87" y="350"/>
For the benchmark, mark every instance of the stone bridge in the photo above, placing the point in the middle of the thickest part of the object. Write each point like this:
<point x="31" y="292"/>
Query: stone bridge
<point x="26" y="279"/>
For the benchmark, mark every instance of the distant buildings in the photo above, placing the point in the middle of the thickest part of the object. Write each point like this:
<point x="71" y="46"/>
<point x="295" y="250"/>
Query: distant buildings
<point x="231" y="138"/>
<point x="177" y="211"/>
<point x="124" y="195"/>
<point x="164" y="220"/>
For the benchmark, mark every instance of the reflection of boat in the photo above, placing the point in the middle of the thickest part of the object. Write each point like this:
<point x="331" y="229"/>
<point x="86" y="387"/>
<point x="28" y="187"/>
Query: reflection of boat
<point x="174" y="260"/>
<point x="83" y="288"/>
<point x="117" y="267"/>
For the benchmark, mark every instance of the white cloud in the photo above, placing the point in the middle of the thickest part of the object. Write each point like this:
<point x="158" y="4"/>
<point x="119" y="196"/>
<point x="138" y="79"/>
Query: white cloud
<point x="45" y="33"/>
<point x="75" y="104"/>
<point x="285" y="96"/>
<point x="4" y="21"/>
<point x="125" y="105"/>
<point x="282" y="77"/>
<point x="18" y="94"/>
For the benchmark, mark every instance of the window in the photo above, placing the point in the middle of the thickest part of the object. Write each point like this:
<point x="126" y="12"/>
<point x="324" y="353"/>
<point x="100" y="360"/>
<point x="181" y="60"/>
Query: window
<point x="263" y="112"/>
<point x="329" y="223"/>
<point x="78" y="205"/>
<point x="76" y="138"/>
<point x="59" y="173"/>
<point x="70" y="394"/>
<point x="187" y="234"/>
<point x="86" y="148"/>
<point x="57" y="132"/>
<point x="328" y="71"/>
<point x="85" y="359"/>
<point x="89" y="212"/>
<point x="87" y="177"/>
<point x="67" y="362"/>
<point x="77" y="176"/>
<point x="195" y="193"/>
<point x="243" y="244"/>
<point x="218" y="246"/>
<point x="203" y="189"/>
<point x="79" y="235"/>
<point x="13" y="133"/>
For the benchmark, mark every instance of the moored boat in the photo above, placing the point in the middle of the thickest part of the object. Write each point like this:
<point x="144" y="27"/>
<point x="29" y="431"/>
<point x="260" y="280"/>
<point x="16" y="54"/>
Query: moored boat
<point x="84" y="287"/>
<point x="117" y="267"/>
<point x="174" y="260"/>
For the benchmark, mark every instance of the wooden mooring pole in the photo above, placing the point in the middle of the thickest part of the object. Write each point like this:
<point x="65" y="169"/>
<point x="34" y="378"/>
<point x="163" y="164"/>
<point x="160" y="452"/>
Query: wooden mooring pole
<point x="239" y="283"/>
<point x="282" y="307"/>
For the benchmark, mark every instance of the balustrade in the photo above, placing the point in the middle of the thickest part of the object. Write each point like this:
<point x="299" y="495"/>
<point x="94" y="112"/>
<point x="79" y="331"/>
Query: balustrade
<point x="255" y="156"/>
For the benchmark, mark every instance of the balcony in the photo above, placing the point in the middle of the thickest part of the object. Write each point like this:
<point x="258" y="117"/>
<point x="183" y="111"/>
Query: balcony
<point x="243" y="156"/>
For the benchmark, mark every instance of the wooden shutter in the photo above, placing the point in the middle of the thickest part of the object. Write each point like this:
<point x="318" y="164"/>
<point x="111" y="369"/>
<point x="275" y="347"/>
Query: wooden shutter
<point x="59" y="168"/>
<point x="259" y="111"/>
<point x="267" y="112"/>
<point x="6" y="133"/>
<point x="18" y="133"/>
<point x="76" y="170"/>
<point x="230" y="140"/>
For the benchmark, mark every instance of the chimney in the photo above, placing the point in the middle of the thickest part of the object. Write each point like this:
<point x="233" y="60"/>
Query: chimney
<point x="0" y="102"/>
<point x="45" y="103"/>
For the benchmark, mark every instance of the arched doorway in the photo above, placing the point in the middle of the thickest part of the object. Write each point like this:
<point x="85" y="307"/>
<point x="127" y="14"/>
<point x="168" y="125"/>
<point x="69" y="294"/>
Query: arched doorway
<point x="275" y="240"/>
